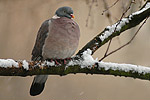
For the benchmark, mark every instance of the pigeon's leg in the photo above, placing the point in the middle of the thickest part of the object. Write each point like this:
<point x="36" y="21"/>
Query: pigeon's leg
<point x="66" y="60"/>
<point x="55" y="60"/>
<point x="60" y="61"/>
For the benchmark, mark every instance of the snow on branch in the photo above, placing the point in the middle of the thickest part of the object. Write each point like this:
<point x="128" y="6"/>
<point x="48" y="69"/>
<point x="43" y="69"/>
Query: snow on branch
<point x="116" y="29"/>
<point x="86" y="64"/>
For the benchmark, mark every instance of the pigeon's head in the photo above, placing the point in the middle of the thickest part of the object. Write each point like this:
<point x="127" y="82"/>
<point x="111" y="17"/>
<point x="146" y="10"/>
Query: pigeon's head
<point x="65" y="12"/>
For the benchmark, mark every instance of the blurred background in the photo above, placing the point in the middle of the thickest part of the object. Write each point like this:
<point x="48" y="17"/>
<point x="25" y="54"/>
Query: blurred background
<point x="21" y="19"/>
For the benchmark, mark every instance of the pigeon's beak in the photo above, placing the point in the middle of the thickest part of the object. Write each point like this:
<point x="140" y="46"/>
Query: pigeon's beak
<point x="72" y="16"/>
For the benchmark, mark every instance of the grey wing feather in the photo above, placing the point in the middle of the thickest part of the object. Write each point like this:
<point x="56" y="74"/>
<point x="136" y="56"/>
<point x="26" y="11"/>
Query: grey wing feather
<point x="41" y="36"/>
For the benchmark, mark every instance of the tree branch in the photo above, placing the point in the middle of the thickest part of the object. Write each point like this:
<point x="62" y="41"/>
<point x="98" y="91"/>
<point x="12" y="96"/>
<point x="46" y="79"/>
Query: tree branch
<point x="107" y="54"/>
<point x="124" y="24"/>
<point x="87" y="65"/>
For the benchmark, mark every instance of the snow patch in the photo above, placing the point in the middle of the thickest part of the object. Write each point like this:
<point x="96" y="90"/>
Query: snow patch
<point x="147" y="6"/>
<point x="87" y="60"/>
<point x="50" y="63"/>
<point x="25" y="65"/>
<point x="115" y="27"/>
<point x="124" y="67"/>
<point x="8" y="63"/>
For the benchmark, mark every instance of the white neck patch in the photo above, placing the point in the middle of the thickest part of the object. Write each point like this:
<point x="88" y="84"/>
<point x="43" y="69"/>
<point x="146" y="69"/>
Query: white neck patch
<point x="55" y="17"/>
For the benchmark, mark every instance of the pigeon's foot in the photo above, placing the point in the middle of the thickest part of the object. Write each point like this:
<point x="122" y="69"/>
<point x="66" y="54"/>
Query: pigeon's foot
<point x="60" y="61"/>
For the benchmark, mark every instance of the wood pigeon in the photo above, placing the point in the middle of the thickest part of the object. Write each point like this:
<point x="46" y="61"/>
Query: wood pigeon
<point x="57" y="38"/>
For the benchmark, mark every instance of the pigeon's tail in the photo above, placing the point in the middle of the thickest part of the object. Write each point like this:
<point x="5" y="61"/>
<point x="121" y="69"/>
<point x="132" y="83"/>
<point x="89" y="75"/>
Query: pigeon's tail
<point x="38" y="84"/>
<point x="36" y="88"/>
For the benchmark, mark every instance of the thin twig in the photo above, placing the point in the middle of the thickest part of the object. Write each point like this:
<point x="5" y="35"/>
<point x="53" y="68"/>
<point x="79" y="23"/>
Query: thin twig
<point x="126" y="43"/>
<point x="124" y="13"/>
<point x="140" y="2"/>
<point x="108" y="14"/>
<point x="105" y="55"/>
<point x="108" y="47"/>
<point x="96" y="2"/>
<point x="89" y="14"/>
<point x="110" y="6"/>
